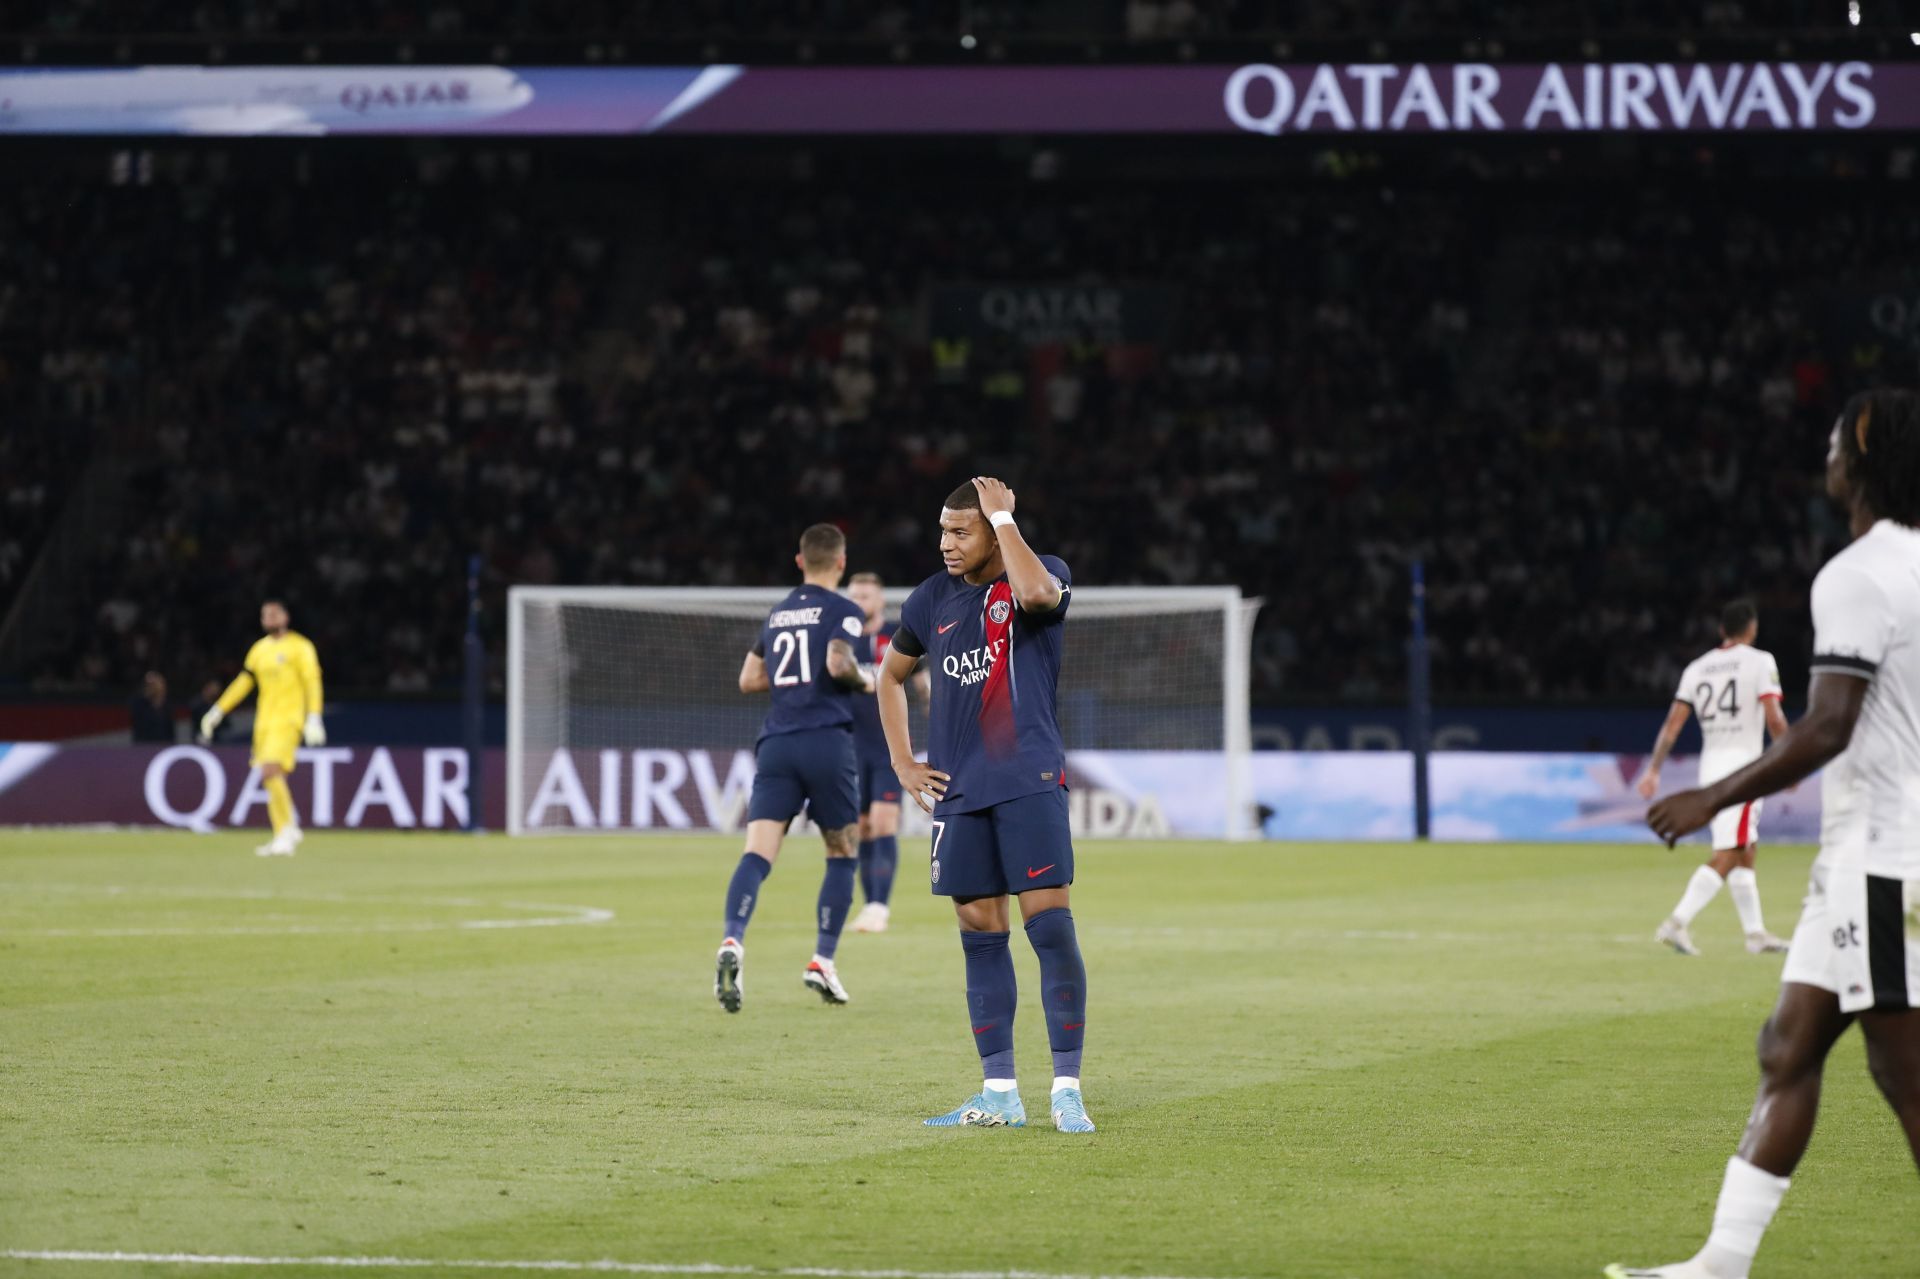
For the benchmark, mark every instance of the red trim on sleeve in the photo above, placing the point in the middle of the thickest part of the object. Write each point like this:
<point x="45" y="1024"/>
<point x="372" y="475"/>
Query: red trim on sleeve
<point x="1767" y="696"/>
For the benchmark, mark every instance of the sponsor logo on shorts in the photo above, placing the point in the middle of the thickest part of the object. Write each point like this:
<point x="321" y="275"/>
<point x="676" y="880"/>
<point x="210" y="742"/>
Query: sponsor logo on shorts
<point x="936" y="870"/>
<point x="1035" y="874"/>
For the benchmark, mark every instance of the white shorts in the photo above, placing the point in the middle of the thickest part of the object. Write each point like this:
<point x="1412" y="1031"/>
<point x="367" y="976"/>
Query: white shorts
<point x="1737" y="827"/>
<point x="1859" y="937"/>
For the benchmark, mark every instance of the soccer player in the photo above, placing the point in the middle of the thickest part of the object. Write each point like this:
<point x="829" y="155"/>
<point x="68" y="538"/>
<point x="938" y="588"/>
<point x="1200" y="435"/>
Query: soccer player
<point x="990" y="628"/>
<point x="804" y="658"/>
<point x="286" y="669"/>
<point x="1725" y="688"/>
<point x="879" y="787"/>
<point x="1855" y="955"/>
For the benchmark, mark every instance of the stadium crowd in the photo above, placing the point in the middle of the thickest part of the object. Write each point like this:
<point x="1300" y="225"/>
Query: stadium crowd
<point x="64" y="362"/>
<point x="1593" y="431"/>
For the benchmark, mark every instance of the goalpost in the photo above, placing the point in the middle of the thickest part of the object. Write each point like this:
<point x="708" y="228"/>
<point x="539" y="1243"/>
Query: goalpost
<point x="624" y="711"/>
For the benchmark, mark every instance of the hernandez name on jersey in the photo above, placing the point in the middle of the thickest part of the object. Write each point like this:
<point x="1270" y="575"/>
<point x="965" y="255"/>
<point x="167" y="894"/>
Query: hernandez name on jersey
<point x="793" y="644"/>
<point x="996" y="672"/>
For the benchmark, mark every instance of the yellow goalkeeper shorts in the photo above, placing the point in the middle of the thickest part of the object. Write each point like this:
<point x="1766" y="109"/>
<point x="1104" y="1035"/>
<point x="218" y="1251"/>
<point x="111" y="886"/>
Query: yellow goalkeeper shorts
<point x="275" y="744"/>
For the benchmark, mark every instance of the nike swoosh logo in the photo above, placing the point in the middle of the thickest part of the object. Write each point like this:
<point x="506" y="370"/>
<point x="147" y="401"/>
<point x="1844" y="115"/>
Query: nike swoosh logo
<point x="1035" y="874"/>
<point x="942" y="630"/>
<point x="1073" y="1025"/>
<point x="981" y="1030"/>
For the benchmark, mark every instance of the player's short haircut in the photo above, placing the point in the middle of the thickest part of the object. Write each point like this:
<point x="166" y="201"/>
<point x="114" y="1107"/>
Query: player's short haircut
<point x="276" y="602"/>
<point x="1880" y="448"/>
<point x="860" y="579"/>
<point x="821" y="545"/>
<point x="1737" y="616"/>
<point x="964" y="498"/>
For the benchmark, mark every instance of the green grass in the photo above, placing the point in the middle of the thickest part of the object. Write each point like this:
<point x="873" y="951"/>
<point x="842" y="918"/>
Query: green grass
<point x="1305" y="1061"/>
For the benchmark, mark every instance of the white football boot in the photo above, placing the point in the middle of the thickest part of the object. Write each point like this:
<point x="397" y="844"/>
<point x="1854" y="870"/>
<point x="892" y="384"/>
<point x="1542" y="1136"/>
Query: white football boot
<point x="820" y="976"/>
<point x="281" y="845"/>
<point x="727" y="982"/>
<point x="1675" y="934"/>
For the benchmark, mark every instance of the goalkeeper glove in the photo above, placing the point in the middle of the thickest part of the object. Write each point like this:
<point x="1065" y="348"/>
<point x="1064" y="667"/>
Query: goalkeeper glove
<point x="315" y="733"/>
<point x="209" y="722"/>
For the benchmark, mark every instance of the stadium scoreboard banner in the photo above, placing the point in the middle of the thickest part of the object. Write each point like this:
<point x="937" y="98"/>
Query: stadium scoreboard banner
<point x="1304" y="795"/>
<point x="1264" y="99"/>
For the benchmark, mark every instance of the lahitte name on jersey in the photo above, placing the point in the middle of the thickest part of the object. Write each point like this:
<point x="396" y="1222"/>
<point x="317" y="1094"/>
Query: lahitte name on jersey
<point x="975" y="664"/>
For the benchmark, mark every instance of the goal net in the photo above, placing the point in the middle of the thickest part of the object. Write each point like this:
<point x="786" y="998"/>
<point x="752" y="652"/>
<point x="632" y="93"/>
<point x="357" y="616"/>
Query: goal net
<point x="624" y="711"/>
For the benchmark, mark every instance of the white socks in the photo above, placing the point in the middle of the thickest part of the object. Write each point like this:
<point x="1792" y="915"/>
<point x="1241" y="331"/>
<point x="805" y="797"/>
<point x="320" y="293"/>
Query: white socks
<point x="1748" y="1200"/>
<point x="1013" y="1085"/>
<point x="1745" y="890"/>
<point x="1701" y="889"/>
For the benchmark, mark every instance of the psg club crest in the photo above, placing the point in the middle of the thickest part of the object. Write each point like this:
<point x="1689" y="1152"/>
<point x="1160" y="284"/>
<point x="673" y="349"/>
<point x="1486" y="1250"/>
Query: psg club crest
<point x="936" y="870"/>
<point x="1000" y="611"/>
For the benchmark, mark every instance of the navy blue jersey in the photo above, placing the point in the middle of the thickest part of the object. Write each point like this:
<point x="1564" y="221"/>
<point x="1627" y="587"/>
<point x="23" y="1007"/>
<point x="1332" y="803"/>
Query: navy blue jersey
<point x="868" y="740"/>
<point x="794" y="645"/>
<point x="994" y="722"/>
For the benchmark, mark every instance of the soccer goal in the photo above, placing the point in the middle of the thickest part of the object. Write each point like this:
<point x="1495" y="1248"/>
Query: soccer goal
<point x="624" y="711"/>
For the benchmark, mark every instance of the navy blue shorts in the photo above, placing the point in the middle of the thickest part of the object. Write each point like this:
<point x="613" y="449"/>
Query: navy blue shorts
<point x="879" y="784"/>
<point x="1010" y="848"/>
<point x="815" y="768"/>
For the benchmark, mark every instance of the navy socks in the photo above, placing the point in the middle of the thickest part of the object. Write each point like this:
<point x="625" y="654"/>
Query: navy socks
<point x="1063" y="985"/>
<point x="836" y="899"/>
<point x="878" y="858"/>
<point x="742" y="893"/>
<point x="991" y="998"/>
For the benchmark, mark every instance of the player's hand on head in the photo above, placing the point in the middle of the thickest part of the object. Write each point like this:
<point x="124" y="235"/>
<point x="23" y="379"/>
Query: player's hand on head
<point x="924" y="782"/>
<point x="994" y="496"/>
<point x="1679" y="815"/>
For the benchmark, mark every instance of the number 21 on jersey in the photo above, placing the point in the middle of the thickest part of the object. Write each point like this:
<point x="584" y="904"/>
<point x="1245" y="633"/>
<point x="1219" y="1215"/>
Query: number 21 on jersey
<point x="786" y="646"/>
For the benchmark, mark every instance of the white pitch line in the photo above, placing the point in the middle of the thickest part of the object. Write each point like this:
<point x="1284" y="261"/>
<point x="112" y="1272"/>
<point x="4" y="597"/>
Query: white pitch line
<point x="1384" y="934"/>
<point x="1356" y="934"/>
<point x="572" y="915"/>
<point x="604" y="1266"/>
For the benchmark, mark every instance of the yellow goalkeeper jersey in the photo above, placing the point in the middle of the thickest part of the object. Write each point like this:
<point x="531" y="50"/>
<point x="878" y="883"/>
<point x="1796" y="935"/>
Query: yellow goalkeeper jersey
<point x="287" y="670"/>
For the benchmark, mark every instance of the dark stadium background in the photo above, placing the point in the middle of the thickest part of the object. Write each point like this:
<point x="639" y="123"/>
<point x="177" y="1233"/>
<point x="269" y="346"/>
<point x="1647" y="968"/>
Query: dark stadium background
<point x="1587" y="380"/>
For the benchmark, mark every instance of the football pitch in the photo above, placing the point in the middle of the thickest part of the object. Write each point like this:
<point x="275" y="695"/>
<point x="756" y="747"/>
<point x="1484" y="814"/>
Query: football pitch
<point x="1340" y="1060"/>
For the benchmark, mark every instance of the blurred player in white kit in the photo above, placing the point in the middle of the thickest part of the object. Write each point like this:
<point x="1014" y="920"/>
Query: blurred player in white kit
<point x="1734" y="691"/>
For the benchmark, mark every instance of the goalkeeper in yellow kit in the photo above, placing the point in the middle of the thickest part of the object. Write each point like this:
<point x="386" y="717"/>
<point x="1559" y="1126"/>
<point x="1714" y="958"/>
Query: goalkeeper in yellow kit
<point x="286" y="668"/>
